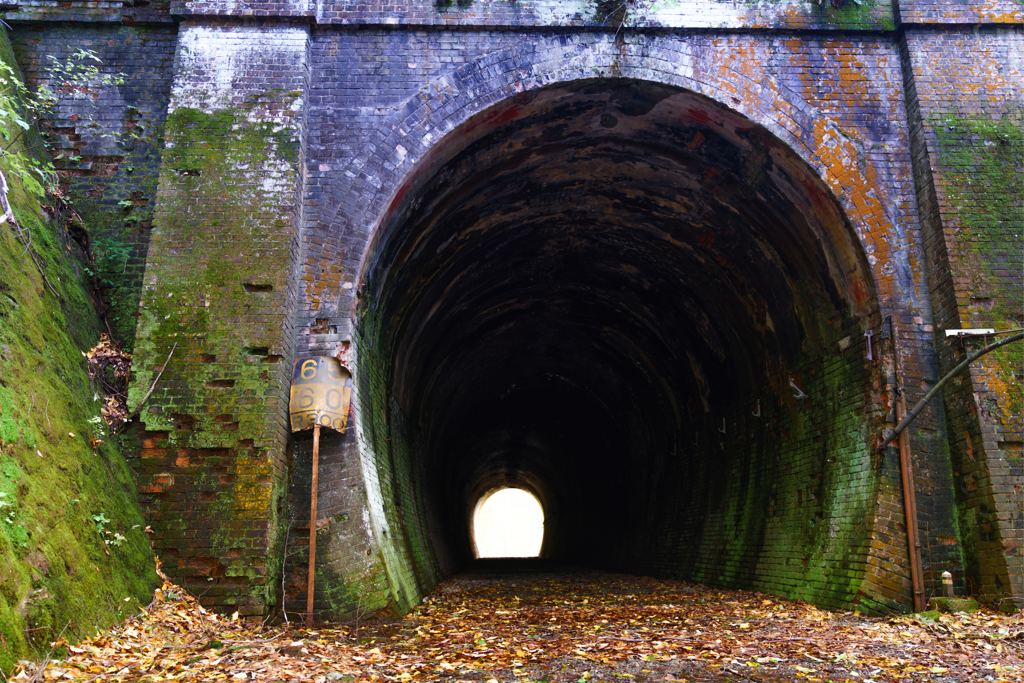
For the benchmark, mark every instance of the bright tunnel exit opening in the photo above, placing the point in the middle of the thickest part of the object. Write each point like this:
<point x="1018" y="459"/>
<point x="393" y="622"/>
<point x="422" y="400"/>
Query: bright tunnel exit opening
<point x="508" y="522"/>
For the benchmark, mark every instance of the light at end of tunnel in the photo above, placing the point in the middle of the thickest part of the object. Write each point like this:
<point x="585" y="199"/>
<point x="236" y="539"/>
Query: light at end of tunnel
<point x="508" y="522"/>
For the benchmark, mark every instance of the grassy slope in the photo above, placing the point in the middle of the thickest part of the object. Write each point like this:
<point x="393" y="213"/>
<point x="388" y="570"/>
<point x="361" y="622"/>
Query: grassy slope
<point x="56" y="572"/>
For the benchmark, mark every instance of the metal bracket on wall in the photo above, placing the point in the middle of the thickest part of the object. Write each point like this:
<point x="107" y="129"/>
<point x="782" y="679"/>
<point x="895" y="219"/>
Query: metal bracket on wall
<point x="798" y="392"/>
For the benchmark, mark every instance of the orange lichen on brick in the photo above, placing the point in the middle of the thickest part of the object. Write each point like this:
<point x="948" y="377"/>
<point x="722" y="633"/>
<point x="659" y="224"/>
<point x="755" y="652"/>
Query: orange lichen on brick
<point x="749" y="61"/>
<point x="996" y="12"/>
<point x="991" y="372"/>
<point x="204" y="566"/>
<point x="993" y="17"/>
<point x="853" y="75"/>
<point x="986" y="73"/>
<point x="792" y="14"/>
<point x="857" y="181"/>
<point x="328" y="282"/>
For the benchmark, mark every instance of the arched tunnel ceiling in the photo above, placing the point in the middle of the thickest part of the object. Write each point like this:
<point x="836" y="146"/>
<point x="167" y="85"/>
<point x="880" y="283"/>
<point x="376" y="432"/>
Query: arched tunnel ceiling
<point x="585" y="273"/>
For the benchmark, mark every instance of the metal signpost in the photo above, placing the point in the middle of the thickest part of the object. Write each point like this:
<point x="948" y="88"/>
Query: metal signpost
<point x="321" y="393"/>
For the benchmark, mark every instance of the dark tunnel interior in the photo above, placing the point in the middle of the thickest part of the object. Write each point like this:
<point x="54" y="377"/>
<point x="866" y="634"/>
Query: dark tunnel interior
<point x="643" y="308"/>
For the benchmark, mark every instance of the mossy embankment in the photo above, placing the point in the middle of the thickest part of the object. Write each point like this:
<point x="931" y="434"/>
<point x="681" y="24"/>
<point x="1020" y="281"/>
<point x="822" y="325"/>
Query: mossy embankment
<point x="73" y="551"/>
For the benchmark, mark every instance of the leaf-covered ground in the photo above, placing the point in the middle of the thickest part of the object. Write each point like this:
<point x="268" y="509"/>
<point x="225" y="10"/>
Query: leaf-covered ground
<point x="554" y="627"/>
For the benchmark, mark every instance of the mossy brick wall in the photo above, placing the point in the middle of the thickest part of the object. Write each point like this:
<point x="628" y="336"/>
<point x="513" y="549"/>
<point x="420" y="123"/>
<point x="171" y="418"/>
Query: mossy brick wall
<point x="394" y="488"/>
<point x="218" y="289"/>
<point x="967" y="108"/>
<point x="792" y="498"/>
<point x="73" y="553"/>
<point x="351" y="580"/>
<point x="107" y="142"/>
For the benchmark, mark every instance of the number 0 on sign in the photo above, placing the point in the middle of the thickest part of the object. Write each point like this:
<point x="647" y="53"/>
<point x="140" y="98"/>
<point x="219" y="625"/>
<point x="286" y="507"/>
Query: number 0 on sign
<point x="320" y="397"/>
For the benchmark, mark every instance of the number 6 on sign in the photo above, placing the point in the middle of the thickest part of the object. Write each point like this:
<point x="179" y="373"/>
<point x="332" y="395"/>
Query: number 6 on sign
<point x="320" y="397"/>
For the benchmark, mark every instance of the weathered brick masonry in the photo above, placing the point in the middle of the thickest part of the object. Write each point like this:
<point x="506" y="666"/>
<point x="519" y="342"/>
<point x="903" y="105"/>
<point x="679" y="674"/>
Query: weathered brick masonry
<point x="707" y="204"/>
<point x="967" y="116"/>
<point x="108" y="139"/>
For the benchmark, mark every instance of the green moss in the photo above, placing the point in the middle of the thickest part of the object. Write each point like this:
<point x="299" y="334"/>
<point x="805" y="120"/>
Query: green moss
<point x="982" y="167"/>
<point x="979" y="171"/>
<point x="810" y="466"/>
<point x="405" y="550"/>
<point x="13" y="427"/>
<point x="859" y="14"/>
<point x="354" y="596"/>
<point x="216" y="161"/>
<point x="56" y="573"/>
<point x="224" y="179"/>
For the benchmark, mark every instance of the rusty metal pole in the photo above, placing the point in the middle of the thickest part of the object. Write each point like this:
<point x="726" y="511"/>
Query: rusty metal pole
<point x="910" y="508"/>
<point x="321" y="395"/>
<point x="907" y="477"/>
<point x="312" y="525"/>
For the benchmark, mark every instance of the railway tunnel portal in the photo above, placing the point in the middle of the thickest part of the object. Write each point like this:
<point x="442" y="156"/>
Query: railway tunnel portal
<point x="647" y="275"/>
<point x="649" y="312"/>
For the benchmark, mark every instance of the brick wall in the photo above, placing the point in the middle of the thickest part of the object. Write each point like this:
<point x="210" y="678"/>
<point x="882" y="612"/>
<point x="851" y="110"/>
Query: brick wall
<point x="91" y="11"/>
<point x="788" y="495"/>
<point x="954" y="12"/>
<point x="350" y="574"/>
<point x="967" y="111"/>
<point x="853" y="84"/>
<point x="218" y="289"/>
<point x="790" y="14"/>
<point x="107" y="142"/>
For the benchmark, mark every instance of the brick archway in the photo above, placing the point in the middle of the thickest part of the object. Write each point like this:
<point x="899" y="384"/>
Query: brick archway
<point x="407" y="524"/>
<point x="409" y="143"/>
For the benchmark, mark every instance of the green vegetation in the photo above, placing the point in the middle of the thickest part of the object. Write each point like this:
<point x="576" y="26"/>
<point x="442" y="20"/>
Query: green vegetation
<point x="223" y="180"/>
<point x="983" y="168"/>
<point x="57" y="573"/>
<point x="117" y="213"/>
<point x="859" y="14"/>
<point x="981" y="161"/>
<point x="23" y="150"/>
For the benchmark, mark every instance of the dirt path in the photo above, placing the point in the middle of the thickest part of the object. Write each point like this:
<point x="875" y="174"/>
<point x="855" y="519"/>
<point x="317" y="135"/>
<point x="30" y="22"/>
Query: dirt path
<point x="556" y="627"/>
